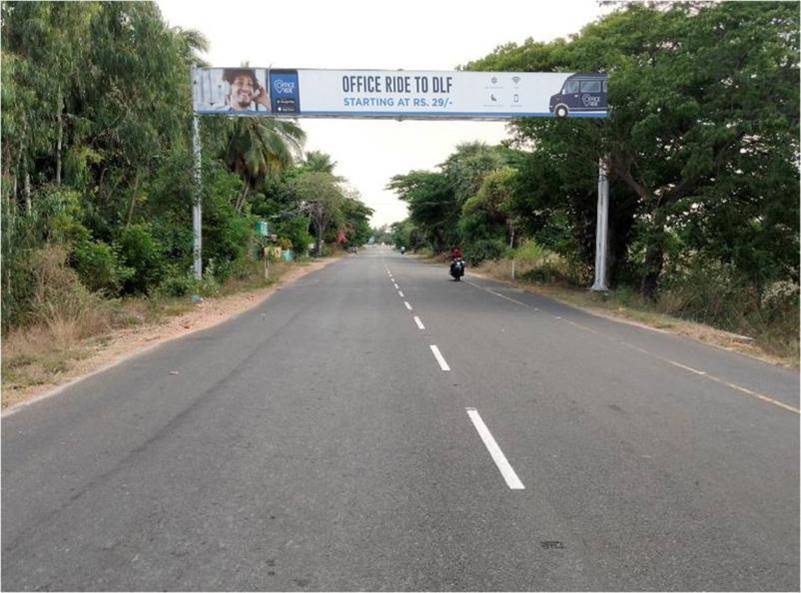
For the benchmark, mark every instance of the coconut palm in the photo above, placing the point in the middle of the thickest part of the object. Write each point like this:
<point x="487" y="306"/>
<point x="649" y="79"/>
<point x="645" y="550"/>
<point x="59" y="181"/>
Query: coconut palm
<point x="320" y="162"/>
<point x="260" y="147"/>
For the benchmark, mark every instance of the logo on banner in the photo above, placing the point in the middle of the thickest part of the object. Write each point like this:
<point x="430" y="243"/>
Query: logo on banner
<point x="285" y="95"/>
<point x="284" y="87"/>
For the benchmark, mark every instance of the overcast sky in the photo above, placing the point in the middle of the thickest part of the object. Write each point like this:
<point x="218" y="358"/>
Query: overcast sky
<point x="409" y="35"/>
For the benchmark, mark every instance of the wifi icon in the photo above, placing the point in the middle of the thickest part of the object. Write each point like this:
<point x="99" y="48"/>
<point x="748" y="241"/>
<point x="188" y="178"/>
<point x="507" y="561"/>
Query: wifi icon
<point x="515" y="79"/>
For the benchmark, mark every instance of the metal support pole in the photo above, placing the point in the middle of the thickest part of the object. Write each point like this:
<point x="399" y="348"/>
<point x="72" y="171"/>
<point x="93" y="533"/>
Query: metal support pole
<point x="602" y="228"/>
<point x="197" y="218"/>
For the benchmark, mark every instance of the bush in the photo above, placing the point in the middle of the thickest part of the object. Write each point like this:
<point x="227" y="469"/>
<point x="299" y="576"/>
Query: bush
<point x="177" y="285"/>
<point x="717" y="294"/>
<point x="209" y="285"/>
<point x="296" y="231"/>
<point x="478" y="251"/>
<point x="547" y="273"/>
<point x="60" y="302"/>
<point x="98" y="267"/>
<point x="531" y="253"/>
<point x="138" y="250"/>
<point x="18" y="282"/>
<point x="708" y="292"/>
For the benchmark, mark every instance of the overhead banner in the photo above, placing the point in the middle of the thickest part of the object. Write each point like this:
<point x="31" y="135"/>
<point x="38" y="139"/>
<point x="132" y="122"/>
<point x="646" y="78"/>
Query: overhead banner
<point x="398" y="93"/>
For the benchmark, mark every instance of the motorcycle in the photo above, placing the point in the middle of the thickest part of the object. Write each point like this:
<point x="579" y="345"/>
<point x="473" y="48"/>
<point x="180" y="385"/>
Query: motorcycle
<point x="457" y="269"/>
<point x="402" y="250"/>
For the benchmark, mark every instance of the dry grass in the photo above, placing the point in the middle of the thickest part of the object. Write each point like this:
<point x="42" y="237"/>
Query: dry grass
<point x="73" y="342"/>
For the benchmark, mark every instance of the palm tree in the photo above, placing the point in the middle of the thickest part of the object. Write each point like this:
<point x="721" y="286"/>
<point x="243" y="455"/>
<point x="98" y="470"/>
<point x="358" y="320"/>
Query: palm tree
<point x="319" y="162"/>
<point x="260" y="147"/>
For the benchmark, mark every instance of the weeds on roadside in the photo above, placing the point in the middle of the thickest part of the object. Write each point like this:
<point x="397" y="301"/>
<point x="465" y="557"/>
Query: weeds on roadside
<point x="705" y="293"/>
<point x="66" y="321"/>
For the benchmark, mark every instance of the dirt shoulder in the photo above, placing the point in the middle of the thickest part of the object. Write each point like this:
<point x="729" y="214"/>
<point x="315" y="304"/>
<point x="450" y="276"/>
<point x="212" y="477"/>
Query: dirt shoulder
<point x="102" y="352"/>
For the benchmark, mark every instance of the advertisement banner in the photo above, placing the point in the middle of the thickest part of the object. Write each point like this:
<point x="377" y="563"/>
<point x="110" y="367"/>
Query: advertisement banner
<point x="398" y="94"/>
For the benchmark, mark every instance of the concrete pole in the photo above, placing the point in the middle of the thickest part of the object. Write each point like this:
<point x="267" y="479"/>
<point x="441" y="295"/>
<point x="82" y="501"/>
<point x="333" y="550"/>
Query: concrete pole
<point x="602" y="228"/>
<point x="197" y="218"/>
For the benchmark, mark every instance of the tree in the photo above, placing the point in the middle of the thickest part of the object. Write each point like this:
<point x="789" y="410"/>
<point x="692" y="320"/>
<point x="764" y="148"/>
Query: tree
<point x="355" y="218"/>
<point x="467" y="166"/>
<point x="433" y="207"/>
<point x="260" y="147"/>
<point x="319" y="162"/>
<point x="704" y="120"/>
<point x="321" y="198"/>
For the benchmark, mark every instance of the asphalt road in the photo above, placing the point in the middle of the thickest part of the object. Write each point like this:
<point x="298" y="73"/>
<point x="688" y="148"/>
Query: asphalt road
<point x="317" y="442"/>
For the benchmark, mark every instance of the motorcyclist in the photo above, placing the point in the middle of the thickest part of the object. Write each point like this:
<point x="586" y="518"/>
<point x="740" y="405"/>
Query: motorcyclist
<point x="457" y="264"/>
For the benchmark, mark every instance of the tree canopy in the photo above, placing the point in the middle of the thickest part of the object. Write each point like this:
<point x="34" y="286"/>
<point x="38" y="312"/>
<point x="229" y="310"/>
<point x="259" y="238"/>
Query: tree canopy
<point x="97" y="159"/>
<point x="702" y="147"/>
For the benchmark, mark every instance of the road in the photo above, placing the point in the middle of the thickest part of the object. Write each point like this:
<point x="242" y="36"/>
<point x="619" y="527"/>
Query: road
<point x="377" y="426"/>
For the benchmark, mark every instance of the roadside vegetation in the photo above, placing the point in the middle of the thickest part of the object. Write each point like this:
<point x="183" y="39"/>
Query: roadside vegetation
<point x="703" y="147"/>
<point x="97" y="183"/>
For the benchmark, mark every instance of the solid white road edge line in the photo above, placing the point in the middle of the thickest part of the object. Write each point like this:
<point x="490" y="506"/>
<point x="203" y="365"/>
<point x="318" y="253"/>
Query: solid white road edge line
<point x="495" y="451"/>
<point x="700" y="373"/>
<point x="440" y="359"/>
<point x="418" y="322"/>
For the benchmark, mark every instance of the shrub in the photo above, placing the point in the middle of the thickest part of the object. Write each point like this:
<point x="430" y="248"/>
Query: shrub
<point x="296" y="230"/>
<point x="98" y="267"/>
<point x="531" y="253"/>
<point x="60" y="302"/>
<point x="177" y="285"/>
<point x="138" y="250"/>
<point x="478" y="251"/>
<point x="547" y="273"/>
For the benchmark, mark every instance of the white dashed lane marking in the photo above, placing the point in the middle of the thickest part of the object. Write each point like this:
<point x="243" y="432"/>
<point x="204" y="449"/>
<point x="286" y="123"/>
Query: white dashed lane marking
<point x="495" y="452"/>
<point x="440" y="359"/>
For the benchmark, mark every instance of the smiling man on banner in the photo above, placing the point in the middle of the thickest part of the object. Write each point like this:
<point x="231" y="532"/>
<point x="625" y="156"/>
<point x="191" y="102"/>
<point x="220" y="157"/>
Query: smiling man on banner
<point x="246" y="94"/>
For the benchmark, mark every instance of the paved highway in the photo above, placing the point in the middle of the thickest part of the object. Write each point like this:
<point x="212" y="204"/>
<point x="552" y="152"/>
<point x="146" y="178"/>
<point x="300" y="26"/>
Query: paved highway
<point x="377" y="426"/>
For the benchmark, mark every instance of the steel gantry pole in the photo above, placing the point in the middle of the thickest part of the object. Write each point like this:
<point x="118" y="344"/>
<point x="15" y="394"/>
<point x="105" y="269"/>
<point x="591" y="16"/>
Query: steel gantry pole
<point x="602" y="227"/>
<point x="197" y="218"/>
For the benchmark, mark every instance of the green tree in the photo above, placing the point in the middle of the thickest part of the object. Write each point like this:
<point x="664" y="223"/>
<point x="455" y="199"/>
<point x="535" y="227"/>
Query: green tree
<point x="322" y="199"/>
<point x="487" y="223"/>
<point x="317" y="161"/>
<point x="467" y="166"/>
<point x="355" y="218"/>
<point x="703" y="127"/>
<point x="433" y="207"/>
<point x="260" y="147"/>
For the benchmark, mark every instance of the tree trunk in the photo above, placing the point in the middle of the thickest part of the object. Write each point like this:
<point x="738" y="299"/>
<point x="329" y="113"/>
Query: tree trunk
<point x="133" y="200"/>
<point x="654" y="257"/>
<point x="321" y="222"/>
<point x="243" y="196"/>
<point x="28" y="204"/>
<point x="60" y="139"/>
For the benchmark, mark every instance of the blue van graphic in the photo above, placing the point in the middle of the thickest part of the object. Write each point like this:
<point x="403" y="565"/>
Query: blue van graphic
<point x="580" y="92"/>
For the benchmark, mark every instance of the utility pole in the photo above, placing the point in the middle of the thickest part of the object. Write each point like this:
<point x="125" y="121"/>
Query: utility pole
<point x="602" y="227"/>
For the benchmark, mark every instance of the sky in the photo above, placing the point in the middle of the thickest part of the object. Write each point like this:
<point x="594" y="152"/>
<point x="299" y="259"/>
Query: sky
<point x="409" y="35"/>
